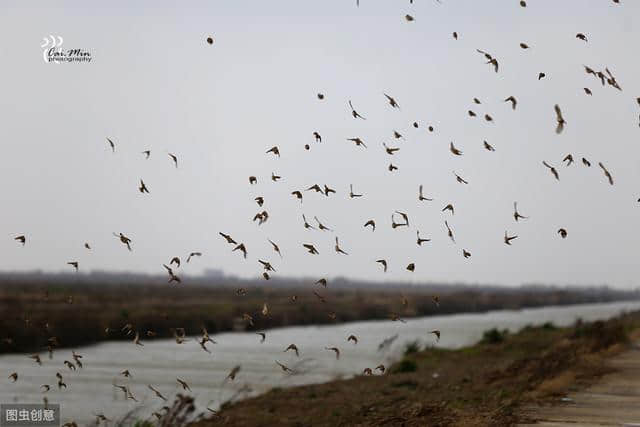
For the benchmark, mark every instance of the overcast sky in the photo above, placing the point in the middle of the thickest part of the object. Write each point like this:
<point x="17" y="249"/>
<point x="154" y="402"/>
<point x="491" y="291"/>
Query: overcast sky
<point x="154" y="83"/>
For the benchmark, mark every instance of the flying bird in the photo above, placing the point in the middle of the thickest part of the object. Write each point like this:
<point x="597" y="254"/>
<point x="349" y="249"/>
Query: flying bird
<point x="559" y="119"/>
<point x="516" y="214"/>
<point x="306" y="224"/>
<point x="276" y="248"/>
<point x="143" y="188"/>
<point x="392" y="101"/>
<point x="371" y="223"/>
<point x="421" y="197"/>
<point x="274" y="150"/>
<point x="297" y="194"/>
<point x="124" y="240"/>
<point x="112" y="145"/>
<point x="266" y="265"/>
<point x="383" y="263"/>
<point x="233" y="373"/>
<point x="311" y="249"/>
<point x="513" y="101"/>
<point x="328" y="190"/>
<point x="460" y="179"/>
<point x="21" y="239"/>
<point x="353" y="195"/>
<point x="336" y="350"/>
<point x="454" y="150"/>
<point x="284" y="367"/>
<point x="606" y="173"/>
<point x="174" y="158"/>
<point x="294" y="348"/>
<point x="450" y="208"/>
<point x="488" y="146"/>
<point x="338" y="249"/>
<point x="157" y="393"/>
<point x="242" y="249"/>
<point x="228" y="238"/>
<point x="404" y="216"/>
<point x="450" y="232"/>
<point x="508" y="239"/>
<point x="192" y="254"/>
<point x="354" y="113"/>
<point x="390" y="150"/>
<point x="563" y="233"/>
<point x="357" y="141"/>
<point x="421" y="241"/>
<point x="552" y="169"/>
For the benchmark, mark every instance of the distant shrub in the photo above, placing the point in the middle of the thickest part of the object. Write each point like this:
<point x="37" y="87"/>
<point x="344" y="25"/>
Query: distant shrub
<point x="602" y="335"/>
<point x="412" y="347"/>
<point x="406" y="365"/>
<point x="494" y="336"/>
<point x="549" y="326"/>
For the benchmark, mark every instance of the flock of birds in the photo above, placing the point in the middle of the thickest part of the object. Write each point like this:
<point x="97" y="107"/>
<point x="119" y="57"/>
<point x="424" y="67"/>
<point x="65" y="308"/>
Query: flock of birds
<point x="398" y="219"/>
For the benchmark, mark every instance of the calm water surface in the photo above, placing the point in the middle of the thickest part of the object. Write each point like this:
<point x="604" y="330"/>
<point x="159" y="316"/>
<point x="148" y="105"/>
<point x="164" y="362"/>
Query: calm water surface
<point x="90" y="390"/>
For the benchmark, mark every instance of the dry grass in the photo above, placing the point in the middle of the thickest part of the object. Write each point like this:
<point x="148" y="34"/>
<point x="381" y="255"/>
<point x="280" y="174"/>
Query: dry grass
<point x="557" y="385"/>
<point x="483" y="385"/>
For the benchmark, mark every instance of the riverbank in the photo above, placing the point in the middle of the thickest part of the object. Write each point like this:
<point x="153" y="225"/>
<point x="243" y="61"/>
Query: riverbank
<point x="613" y="400"/>
<point x="486" y="384"/>
<point x="77" y="311"/>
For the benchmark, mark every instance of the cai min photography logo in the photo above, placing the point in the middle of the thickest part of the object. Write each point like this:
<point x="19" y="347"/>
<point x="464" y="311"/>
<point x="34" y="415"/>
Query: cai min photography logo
<point x="54" y="52"/>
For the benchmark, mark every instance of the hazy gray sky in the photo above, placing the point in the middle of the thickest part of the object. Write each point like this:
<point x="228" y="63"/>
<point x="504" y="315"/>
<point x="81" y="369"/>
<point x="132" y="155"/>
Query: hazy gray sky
<point x="154" y="83"/>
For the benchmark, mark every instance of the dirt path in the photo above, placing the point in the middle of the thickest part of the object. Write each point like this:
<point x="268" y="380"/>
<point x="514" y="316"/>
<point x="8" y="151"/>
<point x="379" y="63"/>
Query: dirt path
<point x="613" y="400"/>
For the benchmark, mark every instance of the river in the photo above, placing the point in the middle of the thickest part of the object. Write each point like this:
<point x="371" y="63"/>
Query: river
<point x="158" y="363"/>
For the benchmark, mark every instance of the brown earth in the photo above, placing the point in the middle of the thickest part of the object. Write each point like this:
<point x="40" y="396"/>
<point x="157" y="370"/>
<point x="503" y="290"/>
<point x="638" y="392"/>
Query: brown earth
<point x="488" y="384"/>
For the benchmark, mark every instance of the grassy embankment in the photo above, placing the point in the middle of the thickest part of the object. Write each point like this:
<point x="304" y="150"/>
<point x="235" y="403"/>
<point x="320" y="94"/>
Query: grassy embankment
<point x="482" y="385"/>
